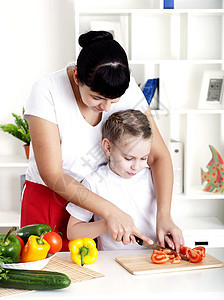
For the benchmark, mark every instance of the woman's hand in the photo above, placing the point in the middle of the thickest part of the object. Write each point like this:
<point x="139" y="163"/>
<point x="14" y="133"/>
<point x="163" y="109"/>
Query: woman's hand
<point x="122" y="228"/>
<point x="168" y="232"/>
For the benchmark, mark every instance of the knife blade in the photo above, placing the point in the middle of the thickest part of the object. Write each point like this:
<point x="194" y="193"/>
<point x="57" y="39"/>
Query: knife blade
<point x="157" y="247"/>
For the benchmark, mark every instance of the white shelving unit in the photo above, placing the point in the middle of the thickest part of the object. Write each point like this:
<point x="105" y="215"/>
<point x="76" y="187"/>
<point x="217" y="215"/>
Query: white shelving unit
<point x="11" y="168"/>
<point x="177" y="46"/>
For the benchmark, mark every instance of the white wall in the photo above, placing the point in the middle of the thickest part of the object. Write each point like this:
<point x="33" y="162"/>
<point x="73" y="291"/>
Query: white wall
<point x="36" y="38"/>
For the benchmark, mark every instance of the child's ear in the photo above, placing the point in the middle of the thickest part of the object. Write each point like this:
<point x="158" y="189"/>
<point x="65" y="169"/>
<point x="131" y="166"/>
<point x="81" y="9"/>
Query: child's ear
<point x="106" y="147"/>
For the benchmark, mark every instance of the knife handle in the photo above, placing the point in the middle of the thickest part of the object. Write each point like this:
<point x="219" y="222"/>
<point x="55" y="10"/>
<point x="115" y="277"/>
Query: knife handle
<point x="138" y="240"/>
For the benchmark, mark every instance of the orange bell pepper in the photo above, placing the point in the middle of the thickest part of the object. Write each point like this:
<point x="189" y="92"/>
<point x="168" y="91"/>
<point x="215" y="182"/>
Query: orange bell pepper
<point x="35" y="249"/>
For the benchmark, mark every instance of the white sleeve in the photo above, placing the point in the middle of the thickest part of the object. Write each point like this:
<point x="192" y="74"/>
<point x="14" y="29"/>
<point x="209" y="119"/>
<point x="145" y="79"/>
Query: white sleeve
<point x="41" y="103"/>
<point x="78" y="212"/>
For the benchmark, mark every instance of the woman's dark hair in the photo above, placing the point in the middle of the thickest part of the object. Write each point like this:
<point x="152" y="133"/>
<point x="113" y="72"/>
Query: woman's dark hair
<point x="102" y="64"/>
<point x="126" y="122"/>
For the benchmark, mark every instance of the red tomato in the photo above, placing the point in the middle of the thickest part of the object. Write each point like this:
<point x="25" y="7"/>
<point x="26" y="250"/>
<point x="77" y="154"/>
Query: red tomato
<point x="168" y="251"/>
<point x="183" y="250"/>
<point x="55" y="241"/>
<point x="158" y="252"/>
<point x="201" y="250"/>
<point x="159" y="258"/>
<point x="194" y="256"/>
<point x="21" y="242"/>
<point x="176" y="260"/>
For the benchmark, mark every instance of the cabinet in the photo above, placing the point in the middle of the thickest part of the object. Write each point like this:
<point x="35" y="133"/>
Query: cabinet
<point x="11" y="168"/>
<point x="177" y="46"/>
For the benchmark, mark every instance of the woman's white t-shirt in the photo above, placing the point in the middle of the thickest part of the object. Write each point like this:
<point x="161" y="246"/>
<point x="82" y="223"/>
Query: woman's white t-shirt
<point x="52" y="99"/>
<point x="135" y="196"/>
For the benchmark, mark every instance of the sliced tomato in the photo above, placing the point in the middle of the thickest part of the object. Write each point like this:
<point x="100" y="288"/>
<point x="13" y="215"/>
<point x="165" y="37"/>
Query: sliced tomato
<point x="201" y="250"/>
<point x="158" y="252"/>
<point x="176" y="260"/>
<point x="171" y="256"/>
<point x="183" y="250"/>
<point x="168" y="251"/>
<point x="159" y="258"/>
<point x="193" y="256"/>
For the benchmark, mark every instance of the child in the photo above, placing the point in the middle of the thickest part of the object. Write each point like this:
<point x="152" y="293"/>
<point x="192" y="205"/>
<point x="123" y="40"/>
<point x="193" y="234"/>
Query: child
<point x="125" y="181"/>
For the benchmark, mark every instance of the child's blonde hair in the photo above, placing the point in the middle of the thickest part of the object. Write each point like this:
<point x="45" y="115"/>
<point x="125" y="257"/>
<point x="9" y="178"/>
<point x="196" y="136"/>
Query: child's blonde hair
<point x="126" y="122"/>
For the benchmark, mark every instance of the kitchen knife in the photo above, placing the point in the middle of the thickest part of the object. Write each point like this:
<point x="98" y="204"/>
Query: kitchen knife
<point x="157" y="247"/>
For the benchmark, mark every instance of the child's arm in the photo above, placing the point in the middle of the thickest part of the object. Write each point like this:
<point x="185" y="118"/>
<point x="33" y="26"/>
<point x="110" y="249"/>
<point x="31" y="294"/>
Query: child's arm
<point x="78" y="229"/>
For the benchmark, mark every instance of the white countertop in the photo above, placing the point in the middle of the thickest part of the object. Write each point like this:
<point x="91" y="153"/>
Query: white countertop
<point x="119" y="283"/>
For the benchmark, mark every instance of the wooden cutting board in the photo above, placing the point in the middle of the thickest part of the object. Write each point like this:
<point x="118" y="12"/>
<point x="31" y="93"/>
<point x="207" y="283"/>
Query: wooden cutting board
<point x="142" y="264"/>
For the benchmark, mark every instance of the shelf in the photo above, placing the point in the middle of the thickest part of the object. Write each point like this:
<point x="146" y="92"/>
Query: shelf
<point x="196" y="192"/>
<point x="7" y="161"/>
<point x="205" y="223"/>
<point x="145" y="11"/>
<point x="204" y="231"/>
<point x="187" y="111"/>
<point x="175" y="61"/>
<point x="149" y="5"/>
<point x="9" y="218"/>
<point x="196" y="111"/>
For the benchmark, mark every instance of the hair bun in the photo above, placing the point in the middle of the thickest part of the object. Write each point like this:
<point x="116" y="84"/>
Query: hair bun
<point x="94" y="36"/>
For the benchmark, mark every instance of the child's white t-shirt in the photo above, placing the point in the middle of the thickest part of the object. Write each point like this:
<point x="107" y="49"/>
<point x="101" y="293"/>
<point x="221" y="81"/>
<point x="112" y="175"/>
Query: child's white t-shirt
<point x="135" y="196"/>
<point x="52" y="99"/>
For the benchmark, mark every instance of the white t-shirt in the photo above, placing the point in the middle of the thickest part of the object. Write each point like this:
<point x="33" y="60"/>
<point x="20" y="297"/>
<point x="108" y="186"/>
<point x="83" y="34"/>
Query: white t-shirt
<point x="52" y="99"/>
<point x="135" y="196"/>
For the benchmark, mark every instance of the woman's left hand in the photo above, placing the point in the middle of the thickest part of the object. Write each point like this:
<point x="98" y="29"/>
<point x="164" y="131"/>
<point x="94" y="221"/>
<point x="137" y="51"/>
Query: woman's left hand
<point x="168" y="232"/>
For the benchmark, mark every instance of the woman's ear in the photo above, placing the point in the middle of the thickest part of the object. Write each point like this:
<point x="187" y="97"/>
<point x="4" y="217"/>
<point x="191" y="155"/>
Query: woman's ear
<point x="75" y="75"/>
<point x="106" y="147"/>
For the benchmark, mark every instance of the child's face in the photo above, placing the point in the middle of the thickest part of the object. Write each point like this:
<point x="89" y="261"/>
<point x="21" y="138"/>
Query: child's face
<point x="129" y="156"/>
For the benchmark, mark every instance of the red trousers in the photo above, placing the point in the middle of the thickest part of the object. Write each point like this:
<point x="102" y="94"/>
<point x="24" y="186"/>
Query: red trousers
<point x="41" y="205"/>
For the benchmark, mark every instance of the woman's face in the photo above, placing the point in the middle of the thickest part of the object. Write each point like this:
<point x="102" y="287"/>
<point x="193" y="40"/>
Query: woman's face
<point x="129" y="156"/>
<point x="95" y="101"/>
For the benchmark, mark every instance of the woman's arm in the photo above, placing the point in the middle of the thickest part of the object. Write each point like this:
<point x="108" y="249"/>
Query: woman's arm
<point x="45" y="135"/>
<point x="78" y="229"/>
<point x="162" y="172"/>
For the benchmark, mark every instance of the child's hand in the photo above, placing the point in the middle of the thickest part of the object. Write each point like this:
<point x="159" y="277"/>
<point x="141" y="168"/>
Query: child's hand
<point x="122" y="228"/>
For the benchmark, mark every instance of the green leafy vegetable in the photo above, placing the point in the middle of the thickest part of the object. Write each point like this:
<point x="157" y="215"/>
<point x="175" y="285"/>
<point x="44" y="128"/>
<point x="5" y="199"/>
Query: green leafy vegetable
<point x="5" y="260"/>
<point x="3" y="274"/>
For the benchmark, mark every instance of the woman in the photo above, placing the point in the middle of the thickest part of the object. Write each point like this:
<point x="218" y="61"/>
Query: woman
<point x="65" y="112"/>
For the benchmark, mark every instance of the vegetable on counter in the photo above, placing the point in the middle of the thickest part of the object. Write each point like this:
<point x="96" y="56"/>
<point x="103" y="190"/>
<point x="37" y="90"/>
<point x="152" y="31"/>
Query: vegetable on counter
<point x="33" y="279"/>
<point x="159" y="258"/>
<point x="35" y="229"/>
<point x="83" y="251"/>
<point x="201" y="250"/>
<point x="35" y="249"/>
<point x="54" y="240"/>
<point x="194" y="255"/>
<point x="22" y="244"/>
<point x="10" y="247"/>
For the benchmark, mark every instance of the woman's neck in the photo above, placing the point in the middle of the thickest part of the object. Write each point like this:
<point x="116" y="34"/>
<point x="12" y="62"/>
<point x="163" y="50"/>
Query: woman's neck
<point x="88" y="114"/>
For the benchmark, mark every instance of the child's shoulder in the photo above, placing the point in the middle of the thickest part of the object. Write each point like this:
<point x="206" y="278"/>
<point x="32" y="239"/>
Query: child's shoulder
<point x="145" y="174"/>
<point x="97" y="175"/>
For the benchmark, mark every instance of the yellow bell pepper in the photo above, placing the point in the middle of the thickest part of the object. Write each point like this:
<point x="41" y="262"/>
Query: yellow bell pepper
<point x="36" y="248"/>
<point x="83" y="251"/>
